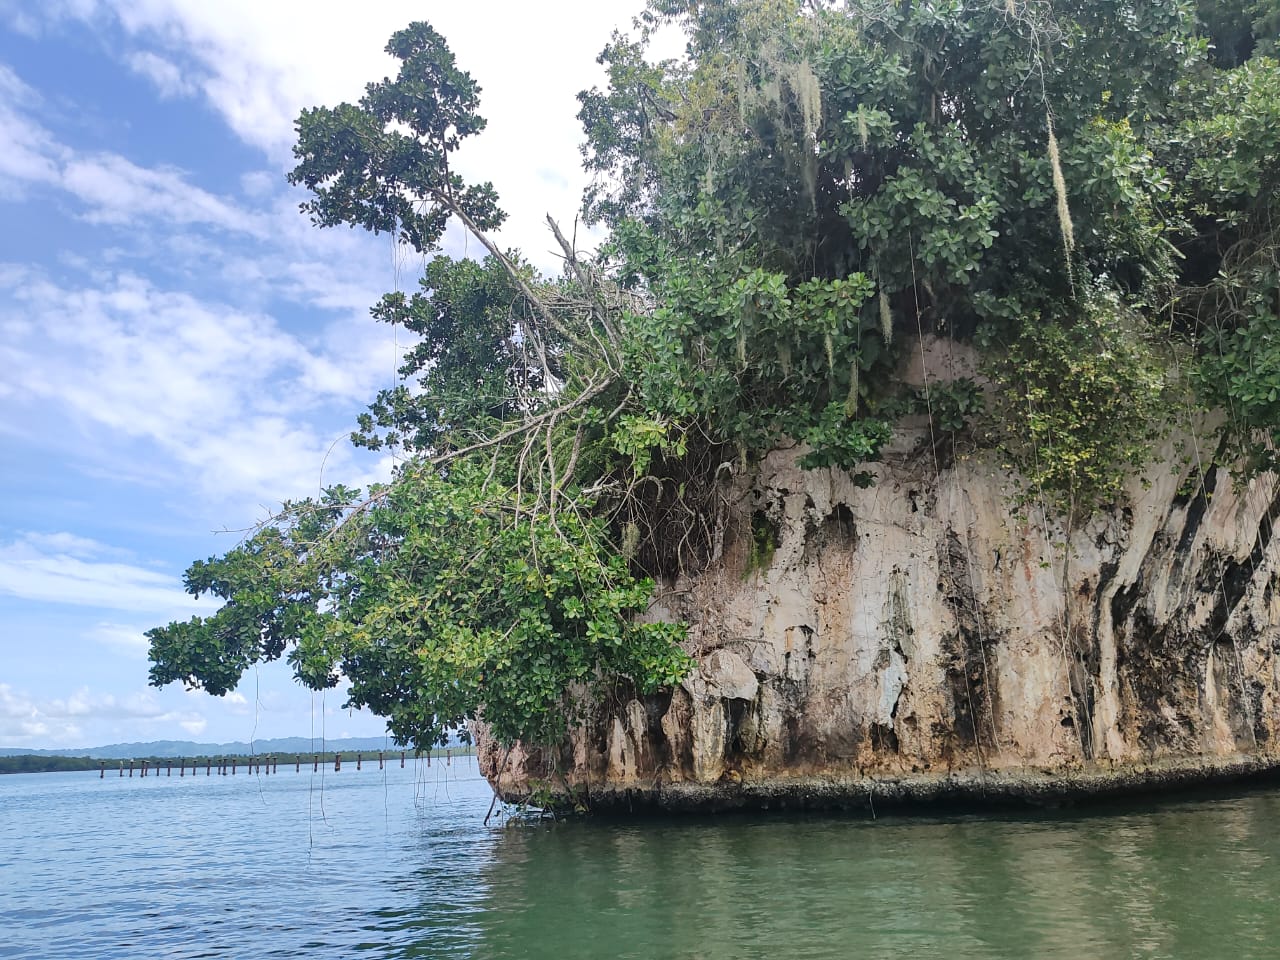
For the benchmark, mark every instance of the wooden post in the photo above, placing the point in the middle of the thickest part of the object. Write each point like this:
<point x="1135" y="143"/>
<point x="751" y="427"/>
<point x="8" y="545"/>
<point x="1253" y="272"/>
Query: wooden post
<point x="379" y="759"/>
<point x="275" y="764"/>
<point x="233" y="766"/>
<point x="122" y="768"/>
<point x="102" y="769"/>
<point x="182" y="766"/>
<point x="401" y="759"/>
<point x="337" y="762"/>
<point x="130" y="769"/>
<point x="358" y="758"/>
<point x="143" y="771"/>
<point x="297" y="763"/>
<point x="315" y="764"/>
<point x="208" y="765"/>
<point x="168" y="770"/>
<point x="448" y="757"/>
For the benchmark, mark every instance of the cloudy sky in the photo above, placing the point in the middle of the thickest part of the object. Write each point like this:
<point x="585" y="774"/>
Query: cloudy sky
<point x="179" y="349"/>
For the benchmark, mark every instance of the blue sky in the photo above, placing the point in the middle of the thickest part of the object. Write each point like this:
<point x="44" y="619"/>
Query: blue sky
<point x="179" y="349"/>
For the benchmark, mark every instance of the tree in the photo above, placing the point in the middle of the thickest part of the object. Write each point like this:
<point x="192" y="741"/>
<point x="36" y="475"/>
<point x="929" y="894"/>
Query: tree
<point x="482" y="574"/>
<point x="1086" y="190"/>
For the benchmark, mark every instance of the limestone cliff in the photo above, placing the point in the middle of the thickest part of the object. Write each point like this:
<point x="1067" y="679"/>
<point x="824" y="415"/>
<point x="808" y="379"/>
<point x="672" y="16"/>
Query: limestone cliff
<point x="923" y="638"/>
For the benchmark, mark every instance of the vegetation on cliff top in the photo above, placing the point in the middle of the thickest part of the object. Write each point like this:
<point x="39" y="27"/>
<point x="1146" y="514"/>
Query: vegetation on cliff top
<point x="1087" y="190"/>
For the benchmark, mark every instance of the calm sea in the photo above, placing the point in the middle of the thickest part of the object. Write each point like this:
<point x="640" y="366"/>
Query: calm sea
<point x="398" y="863"/>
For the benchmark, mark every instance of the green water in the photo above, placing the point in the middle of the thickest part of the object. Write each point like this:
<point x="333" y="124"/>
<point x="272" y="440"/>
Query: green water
<point x="399" y="863"/>
<point x="1198" y="879"/>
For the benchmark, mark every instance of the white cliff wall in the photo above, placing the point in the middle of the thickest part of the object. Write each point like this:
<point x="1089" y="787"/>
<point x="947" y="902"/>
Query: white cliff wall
<point x="923" y="634"/>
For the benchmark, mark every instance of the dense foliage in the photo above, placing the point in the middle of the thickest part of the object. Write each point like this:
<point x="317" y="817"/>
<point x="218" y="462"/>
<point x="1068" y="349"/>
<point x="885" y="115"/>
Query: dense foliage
<point x="1085" y="189"/>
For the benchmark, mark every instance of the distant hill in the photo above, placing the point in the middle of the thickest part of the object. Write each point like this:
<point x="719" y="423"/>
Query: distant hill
<point x="188" y="748"/>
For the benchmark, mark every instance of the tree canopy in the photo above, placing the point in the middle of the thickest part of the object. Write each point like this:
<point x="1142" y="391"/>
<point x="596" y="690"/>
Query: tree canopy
<point x="1085" y="189"/>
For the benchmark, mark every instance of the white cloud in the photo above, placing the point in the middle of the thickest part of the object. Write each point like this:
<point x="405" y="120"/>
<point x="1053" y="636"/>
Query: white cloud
<point x="167" y="76"/>
<point x="69" y="544"/>
<point x="117" y="191"/>
<point x="31" y="155"/>
<point x="85" y="718"/>
<point x="18" y="20"/>
<point x="42" y="568"/>
<point x="224" y="395"/>
<point x="272" y="706"/>
<point x="259" y="183"/>
<point x="122" y="638"/>
<point x="113" y="189"/>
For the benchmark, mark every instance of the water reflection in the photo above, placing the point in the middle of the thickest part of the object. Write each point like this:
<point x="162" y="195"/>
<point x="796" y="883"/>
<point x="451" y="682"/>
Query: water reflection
<point x="1188" y="880"/>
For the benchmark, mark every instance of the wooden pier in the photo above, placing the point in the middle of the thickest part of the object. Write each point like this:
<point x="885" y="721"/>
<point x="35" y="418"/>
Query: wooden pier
<point x="269" y="764"/>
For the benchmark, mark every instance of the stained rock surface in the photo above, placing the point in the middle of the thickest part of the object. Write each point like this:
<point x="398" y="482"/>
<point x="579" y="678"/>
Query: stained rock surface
<point x="925" y="638"/>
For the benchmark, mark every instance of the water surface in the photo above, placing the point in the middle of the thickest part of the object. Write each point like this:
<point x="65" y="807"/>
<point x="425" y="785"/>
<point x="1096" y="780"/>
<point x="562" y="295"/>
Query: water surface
<point x="398" y="863"/>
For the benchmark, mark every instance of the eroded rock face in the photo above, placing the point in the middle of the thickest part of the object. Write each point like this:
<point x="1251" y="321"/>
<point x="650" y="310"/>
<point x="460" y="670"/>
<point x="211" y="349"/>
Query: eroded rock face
<point x="923" y="634"/>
